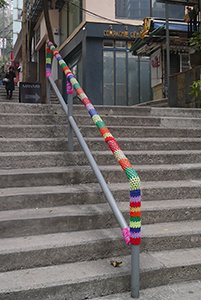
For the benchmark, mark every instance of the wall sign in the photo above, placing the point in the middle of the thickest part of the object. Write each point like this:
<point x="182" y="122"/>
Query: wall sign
<point x="156" y="68"/>
<point x="120" y="34"/>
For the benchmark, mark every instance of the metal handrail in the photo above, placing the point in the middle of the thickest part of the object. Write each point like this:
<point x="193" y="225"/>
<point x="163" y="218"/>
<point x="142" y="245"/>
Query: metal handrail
<point x="131" y="235"/>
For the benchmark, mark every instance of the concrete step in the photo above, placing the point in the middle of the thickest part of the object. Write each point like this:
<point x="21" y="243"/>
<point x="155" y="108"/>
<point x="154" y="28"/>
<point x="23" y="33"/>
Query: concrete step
<point x="51" y="118"/>
<point x="61" y="195"/>
<point x="11" y="107"/>
<point x="58" y="234"/>
<point x="62" y="159"/>
<point x="84" y="280"/>
<point x="176" y="112"/>
<point x="32" y="119"/>
<point x="145" y="132"/>
<point x="190" y="290"/>
<point x="44" y="131"/>
<point x="38" y="221"/>
<point x="30" y="108"/>
<point x="84" y="174"/>
<point x="36" y="131"/>
<point x="59" y="248"/>
<point x="153" y="143"/>
<point x="98" y="144"/>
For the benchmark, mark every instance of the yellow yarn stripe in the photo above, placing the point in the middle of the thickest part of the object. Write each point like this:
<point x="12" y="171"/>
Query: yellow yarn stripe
<point x="107" y="135"/>
<point x="135" y="209"/>
<point x="134" y="184"/>
<point x="135" y="224"/>
<point x="82" y="95"/>
<point x="119" y="154"/>
<point x="73" y="81"/>
<point x="96" y="118"/>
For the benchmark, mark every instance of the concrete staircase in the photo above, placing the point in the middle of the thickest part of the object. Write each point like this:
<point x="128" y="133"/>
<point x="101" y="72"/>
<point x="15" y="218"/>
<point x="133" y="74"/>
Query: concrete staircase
<point x="57" y="232"/>
<point x="15" y="96"/>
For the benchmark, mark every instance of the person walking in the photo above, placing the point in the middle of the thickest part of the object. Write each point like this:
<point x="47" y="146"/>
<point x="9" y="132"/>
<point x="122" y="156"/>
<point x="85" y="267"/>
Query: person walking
<point x="10" y="85"/>
<point x="2" y="75"/>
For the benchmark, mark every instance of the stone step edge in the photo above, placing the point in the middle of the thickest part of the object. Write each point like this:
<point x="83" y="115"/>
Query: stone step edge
<point x="78" y="115"/>
<point x="69" y="239"/>
<point x="176" y="264"/>
<point x="88" y="210"/>
<point x="80" y="188"/>
<point x="99" y="152"/>
<point x="70" y="169"/>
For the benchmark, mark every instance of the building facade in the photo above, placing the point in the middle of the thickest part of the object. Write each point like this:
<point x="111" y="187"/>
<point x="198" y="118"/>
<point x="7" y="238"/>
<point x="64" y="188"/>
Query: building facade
<point x="94" y="38"/>
<point x="17" y="18"/>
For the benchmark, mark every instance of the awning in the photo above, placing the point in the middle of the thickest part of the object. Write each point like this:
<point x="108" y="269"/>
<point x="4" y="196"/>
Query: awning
<point x="140" y="42"/>
<point x="179" y="26"/>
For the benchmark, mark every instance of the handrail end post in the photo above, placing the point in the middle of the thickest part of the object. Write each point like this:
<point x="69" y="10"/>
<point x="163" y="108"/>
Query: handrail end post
<point x="48" y="101"/>
<point x="135" y="271"/>
<point x="70" y="129"/>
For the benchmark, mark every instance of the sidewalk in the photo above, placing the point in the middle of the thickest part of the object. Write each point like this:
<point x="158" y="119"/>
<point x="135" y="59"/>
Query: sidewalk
<point x="181" y="291"/>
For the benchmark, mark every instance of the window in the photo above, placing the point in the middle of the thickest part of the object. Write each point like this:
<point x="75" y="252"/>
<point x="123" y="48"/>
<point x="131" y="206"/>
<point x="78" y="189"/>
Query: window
<point x="19" y="14"/>
<point x="108" y="43"/>
<point x="184" y="62"/>
<point x="70" y="18"/>
<point x="108" y="77"/>
<point x="126" y="78"/>
<point x="38" y="35"/>
<point x="75" y="65"/>
<point x="120" y="44"/>
<point x="135" y="9"/>
<point x="121" y="78"/>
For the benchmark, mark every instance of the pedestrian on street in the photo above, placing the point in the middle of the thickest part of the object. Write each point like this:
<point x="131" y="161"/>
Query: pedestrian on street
<point x="10" y="85"/>
<point x="2" y="75"/>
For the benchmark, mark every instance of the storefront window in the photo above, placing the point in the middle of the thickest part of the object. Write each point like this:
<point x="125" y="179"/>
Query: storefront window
<point x="126" y="78"/>
<point x="121" y="78"/>
<point x="108" y="77"/>
<point x="132" y="79"/>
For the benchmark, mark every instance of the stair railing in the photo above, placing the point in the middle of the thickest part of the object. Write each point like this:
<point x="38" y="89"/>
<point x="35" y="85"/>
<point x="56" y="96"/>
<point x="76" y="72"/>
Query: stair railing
<point x="132" y="234"/>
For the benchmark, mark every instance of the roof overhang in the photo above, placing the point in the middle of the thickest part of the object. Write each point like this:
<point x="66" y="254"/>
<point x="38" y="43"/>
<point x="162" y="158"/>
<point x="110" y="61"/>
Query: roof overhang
<point x="157" y="36"/>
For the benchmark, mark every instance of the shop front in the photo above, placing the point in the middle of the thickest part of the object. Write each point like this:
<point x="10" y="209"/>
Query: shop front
<point x="98" y="55"/>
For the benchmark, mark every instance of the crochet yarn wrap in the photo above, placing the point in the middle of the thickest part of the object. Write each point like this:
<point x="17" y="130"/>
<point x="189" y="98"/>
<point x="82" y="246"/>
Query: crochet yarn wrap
<point x="133" y="234"/>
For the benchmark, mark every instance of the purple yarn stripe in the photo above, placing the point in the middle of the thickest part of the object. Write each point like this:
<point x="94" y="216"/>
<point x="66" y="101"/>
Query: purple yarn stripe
<point x="135" y="235"/>
<point x="135" y="199"/>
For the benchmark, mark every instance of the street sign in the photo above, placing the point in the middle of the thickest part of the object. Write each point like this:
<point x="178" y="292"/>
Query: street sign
<point x="30" y="92"/>
<point x="179" y="2"/>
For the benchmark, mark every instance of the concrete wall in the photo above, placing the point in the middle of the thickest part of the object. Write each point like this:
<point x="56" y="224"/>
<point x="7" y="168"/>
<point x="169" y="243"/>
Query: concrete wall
<point x="106" y="9"/>
<point x="180" y="89"/>
<point x="54" y="20"/>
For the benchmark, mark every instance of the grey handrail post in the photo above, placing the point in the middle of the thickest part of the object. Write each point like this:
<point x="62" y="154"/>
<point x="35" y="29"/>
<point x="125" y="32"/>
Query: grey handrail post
<point x="135" y="271"/>
<point x="47" y="92"/>
<point x="70" y="128"/>
<point x="167" y="50"/>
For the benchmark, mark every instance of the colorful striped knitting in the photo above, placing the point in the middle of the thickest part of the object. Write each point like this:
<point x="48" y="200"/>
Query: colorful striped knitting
<point x="132" y="234"/>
